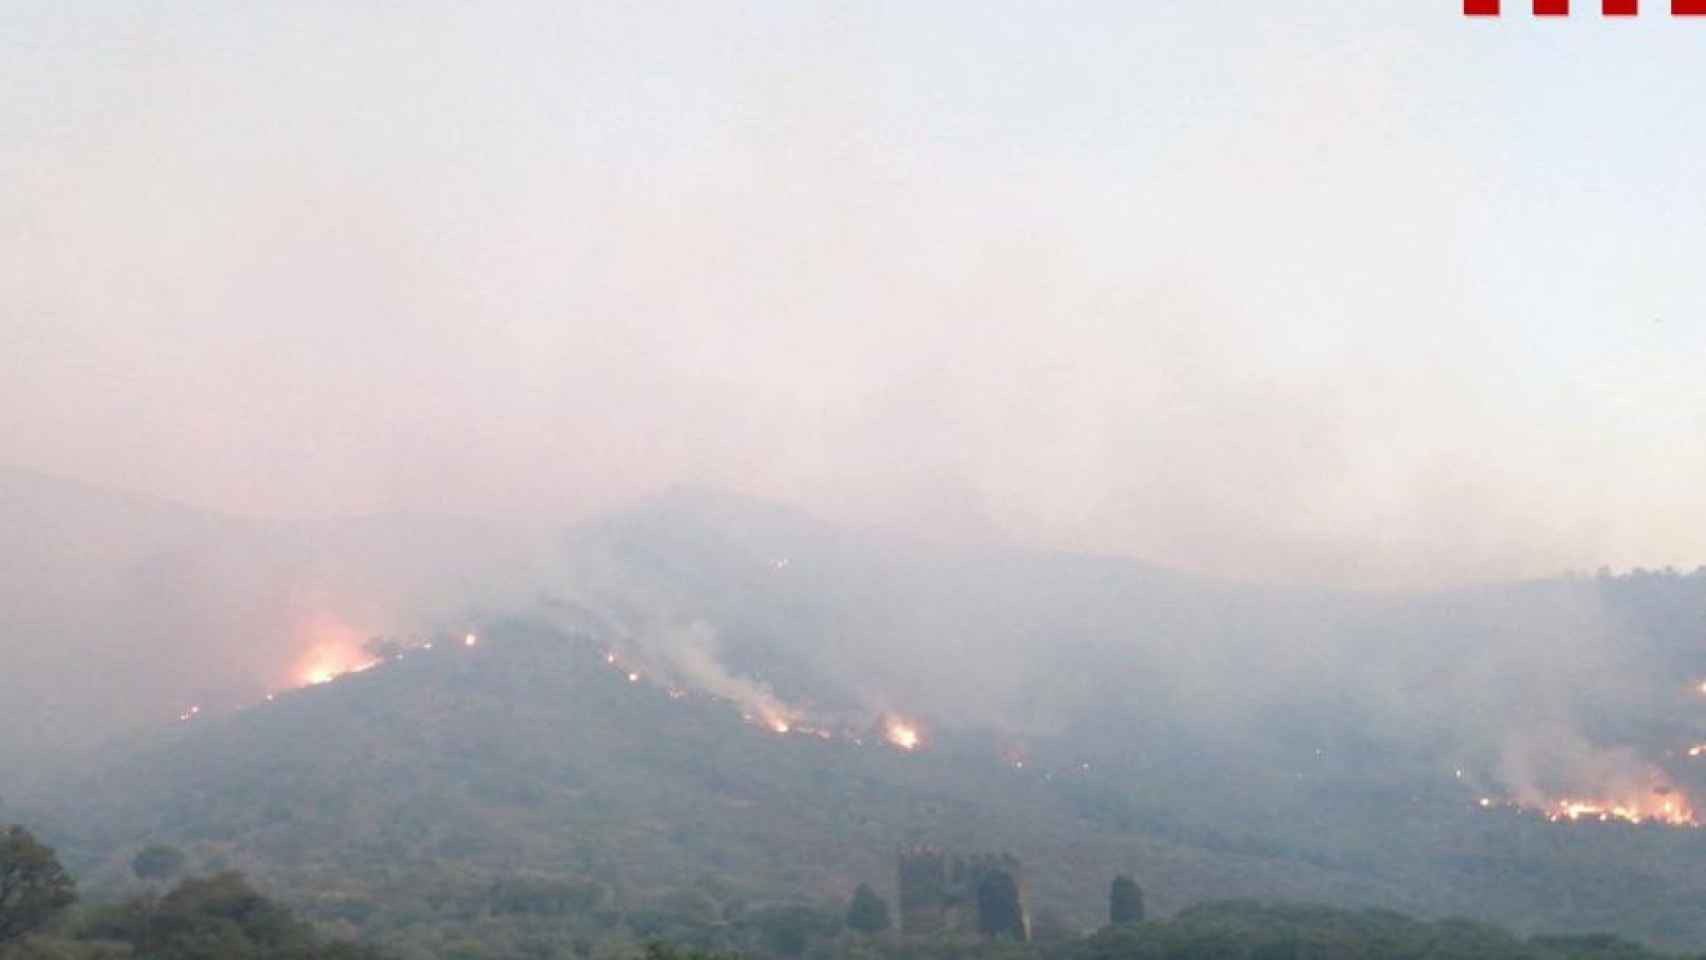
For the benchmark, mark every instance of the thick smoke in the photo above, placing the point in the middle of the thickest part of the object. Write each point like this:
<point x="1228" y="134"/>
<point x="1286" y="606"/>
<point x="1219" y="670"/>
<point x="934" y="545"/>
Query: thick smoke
<point x="1251" y="331"/>
<point x="1011" y="293"/>
<point x="690" y="655"/>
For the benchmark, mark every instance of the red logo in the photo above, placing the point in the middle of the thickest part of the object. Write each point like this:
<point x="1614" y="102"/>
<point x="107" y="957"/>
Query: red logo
<point x="1609" y="8"/>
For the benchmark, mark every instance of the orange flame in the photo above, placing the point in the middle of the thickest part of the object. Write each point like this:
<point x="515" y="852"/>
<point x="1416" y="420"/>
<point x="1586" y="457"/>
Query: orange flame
<point x="1669" y="808"/>
<point x="334" y="649"/>
<point x="1663" y="804"/>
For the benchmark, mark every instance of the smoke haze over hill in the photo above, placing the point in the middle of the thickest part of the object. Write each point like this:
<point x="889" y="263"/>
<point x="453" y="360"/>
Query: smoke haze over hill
<point x="1530" y="691"/>
<point x="1261" y="443"/>
<point x="539" y="263"/>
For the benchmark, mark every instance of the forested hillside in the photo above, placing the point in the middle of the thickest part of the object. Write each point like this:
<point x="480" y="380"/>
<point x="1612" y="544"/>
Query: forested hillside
<point x="605" y="763"/>
<point x="526" y="787"/>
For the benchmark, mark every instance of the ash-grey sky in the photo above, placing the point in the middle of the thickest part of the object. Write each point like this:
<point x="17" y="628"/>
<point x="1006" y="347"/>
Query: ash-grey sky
<point x="1365" y="294"/>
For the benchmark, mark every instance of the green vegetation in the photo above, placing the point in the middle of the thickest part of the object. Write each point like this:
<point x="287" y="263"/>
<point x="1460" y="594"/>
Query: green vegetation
<point x="222" y="917"/>
<point x="34" y="887"/>
<point x="1257" y="931"/>
<point x="219" y="917"/>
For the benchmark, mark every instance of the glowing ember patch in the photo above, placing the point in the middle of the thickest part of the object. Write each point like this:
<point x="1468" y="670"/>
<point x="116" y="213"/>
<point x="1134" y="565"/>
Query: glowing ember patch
<point x="901" y="734"/>
<point x="772" y="717"/>
<point x="333" y="649"/>
<point x="1662" y="805"/>
<point x="1578" y="810"/>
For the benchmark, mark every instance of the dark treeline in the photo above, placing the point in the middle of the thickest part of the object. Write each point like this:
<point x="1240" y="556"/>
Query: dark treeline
<point x="223" y="917"/>
<point x="217" y="917"/>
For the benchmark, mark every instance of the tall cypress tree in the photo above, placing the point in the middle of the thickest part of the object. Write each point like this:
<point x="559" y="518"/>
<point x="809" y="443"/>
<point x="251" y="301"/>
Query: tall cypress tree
<point x="868" y="913"/>
<point x="1125" y="901"/>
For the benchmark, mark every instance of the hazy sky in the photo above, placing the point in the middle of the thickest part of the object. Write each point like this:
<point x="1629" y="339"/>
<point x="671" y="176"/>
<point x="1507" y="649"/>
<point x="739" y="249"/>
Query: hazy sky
<point x="1341" y="292"/>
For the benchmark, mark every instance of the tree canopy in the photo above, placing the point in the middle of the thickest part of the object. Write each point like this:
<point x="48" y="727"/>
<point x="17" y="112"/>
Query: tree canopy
<point x="33" y="885"/>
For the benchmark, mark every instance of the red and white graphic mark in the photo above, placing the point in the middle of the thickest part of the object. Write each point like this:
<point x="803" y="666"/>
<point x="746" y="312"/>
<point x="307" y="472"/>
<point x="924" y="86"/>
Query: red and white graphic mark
<point x="1609" y="8"/>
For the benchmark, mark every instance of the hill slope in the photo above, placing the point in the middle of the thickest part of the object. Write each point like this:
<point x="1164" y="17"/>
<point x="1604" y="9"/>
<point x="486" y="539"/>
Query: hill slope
<point x="1090" y="715"/>
<point x="530" y="755"/>
<point x="400" y="802"/>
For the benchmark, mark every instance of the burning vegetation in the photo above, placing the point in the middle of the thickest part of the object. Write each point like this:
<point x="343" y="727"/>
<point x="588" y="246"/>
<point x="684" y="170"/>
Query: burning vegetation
<point x="1626" y="793"/>
<point x="1657" y="802"/>
<point x="689" y="663"/>
<point x="690" y="668"/>
<point x="901" y="733"/>
<point x="1671" y="810"/>
<point x="334" y="648"/>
